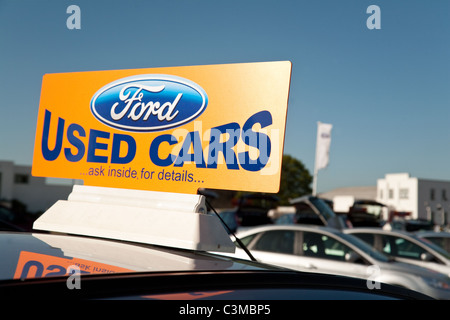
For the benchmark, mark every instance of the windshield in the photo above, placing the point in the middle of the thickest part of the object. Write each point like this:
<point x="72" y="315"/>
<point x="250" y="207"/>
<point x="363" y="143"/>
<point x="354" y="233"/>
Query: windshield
<point x="366" y="248"/>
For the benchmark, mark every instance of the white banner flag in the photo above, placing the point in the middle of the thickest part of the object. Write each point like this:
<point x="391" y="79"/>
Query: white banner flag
<point x="323" y="145"/>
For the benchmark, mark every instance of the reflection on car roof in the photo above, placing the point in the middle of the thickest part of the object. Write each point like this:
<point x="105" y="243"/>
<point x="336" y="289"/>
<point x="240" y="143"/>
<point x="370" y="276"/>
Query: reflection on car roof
<point x="103" y="256"/>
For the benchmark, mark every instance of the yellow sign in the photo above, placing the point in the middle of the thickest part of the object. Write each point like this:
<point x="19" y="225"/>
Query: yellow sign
<point x="171" y="129"/>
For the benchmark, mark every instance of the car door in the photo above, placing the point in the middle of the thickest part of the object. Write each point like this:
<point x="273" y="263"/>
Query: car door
<point x="407" y="251"/>
<point x="275" y="247"/>
<point x="326" y="253"/>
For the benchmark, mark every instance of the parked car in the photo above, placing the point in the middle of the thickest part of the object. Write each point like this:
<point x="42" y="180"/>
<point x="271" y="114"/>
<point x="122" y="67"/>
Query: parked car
<point x="405" y="246"/>
<point x="229" y="219"/>
<point x="441" y="238"/>
<point x="13" y="221"/>
<point x="316" y="211"/>
<point x="409" y="225"/>
<point x="253" y="209"/>
<point x="329" y="251"/>
<point x="366" y="213"/>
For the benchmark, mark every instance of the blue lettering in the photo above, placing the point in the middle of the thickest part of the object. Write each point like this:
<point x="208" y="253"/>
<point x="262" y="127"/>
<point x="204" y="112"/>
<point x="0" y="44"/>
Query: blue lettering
<point x="226" y="147"/>
<point x="48" y="154"/>
<point x="154" y="150"/>
<point x="77" y="143"/>
<point x="95" y="145"/>
<point x="251" y="138"/>
<point x="256" y="139"/>
<point x="192" y="138"/>
<point x="115" y="153"/>
<point x="26" y="269"/>
<point x="60" y="271"/>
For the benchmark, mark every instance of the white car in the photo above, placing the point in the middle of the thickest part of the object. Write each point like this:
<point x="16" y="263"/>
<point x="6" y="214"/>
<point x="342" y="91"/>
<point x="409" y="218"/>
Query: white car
<point x="328" y="250"/>
<point x="405" y="247"/>
<point x="440" y="238"/>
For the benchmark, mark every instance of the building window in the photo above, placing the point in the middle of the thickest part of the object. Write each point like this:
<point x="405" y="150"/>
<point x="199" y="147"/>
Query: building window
<point x="391" y="193"/>
<point x="444" y="195"/>
<point x="403" y="193"/>
<point x="431" y="194"/>
<point x="21" y="178"/>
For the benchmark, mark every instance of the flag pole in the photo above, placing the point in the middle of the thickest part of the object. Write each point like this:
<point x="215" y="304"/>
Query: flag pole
<point x="314" y="188"/>
<point x="322" y="151"/>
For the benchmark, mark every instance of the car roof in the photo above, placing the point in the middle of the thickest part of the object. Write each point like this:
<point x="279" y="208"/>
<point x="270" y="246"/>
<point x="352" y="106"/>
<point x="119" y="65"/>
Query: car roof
<point x="301" y="199"/>
<point x="377" y="230"/>
<point x="441" y="234"/>
<point x="300" y="227"/>
<point x="402" y="233"/>
<point x="102" y="255"/>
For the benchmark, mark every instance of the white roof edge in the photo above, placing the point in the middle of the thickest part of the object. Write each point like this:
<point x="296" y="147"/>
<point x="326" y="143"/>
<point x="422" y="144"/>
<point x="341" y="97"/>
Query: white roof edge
<point x="159" y="218"/>
<point x="139" y="198"/>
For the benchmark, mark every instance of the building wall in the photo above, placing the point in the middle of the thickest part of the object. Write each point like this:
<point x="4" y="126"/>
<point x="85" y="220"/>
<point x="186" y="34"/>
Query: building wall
<point x="434" y="196"/>
<point x="421" y="197"/>
<point x="399" y="192"/>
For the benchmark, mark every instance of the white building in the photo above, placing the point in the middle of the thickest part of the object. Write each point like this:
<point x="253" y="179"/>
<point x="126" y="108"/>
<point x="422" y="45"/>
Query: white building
<point x="16" y="183"/>
<point x="424" y="198"/>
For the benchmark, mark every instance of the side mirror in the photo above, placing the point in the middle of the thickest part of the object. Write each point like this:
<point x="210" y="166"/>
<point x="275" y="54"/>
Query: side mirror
<point x="352" y="256"/>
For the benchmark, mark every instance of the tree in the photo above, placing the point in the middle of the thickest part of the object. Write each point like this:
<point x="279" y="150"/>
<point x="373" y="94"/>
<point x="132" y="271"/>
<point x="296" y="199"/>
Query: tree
<point x="295" y="182"/>
<point x="295" y="179"/>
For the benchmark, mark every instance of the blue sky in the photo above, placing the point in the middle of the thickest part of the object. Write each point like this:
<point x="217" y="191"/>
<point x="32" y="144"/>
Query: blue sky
<point x="386" y="92"/>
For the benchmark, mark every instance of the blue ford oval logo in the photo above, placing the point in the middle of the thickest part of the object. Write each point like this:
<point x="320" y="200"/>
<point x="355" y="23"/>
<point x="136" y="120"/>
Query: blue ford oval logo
<point x="148" y="103"/>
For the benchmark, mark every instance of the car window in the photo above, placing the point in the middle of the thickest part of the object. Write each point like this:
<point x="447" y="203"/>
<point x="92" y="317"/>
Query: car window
<point x="437" y="241"/>
<point x="306" y="215"/>
<point x="434" y="247"/>
<point x="400" y="247"/>
<point x="6" y="214"/>
<point x="246" y="240"/>
<point x="323" y="207"/>
<point x="281" y="241"/>
<point x="366" y="237"/>
<point x="442" y="243"/>
<point x="322" y="246"/>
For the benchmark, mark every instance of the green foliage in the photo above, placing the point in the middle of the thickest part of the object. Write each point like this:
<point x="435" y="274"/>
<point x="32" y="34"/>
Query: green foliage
<point x="295" y="180"/>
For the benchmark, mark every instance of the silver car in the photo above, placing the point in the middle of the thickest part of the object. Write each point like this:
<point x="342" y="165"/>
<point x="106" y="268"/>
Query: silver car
<point x="440" y="238"/>
<point x="406" y="247"/>
<point x="328" y="250"/>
